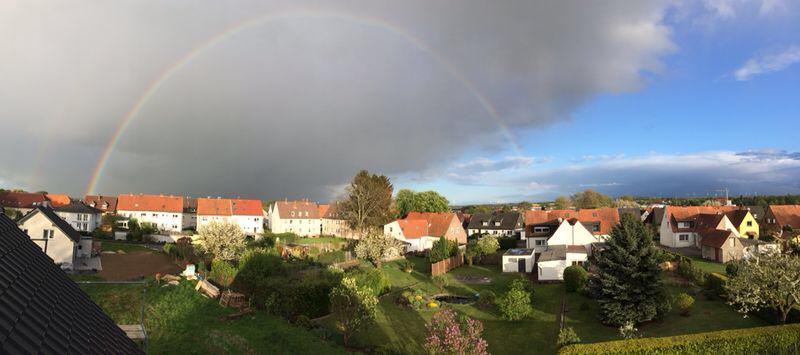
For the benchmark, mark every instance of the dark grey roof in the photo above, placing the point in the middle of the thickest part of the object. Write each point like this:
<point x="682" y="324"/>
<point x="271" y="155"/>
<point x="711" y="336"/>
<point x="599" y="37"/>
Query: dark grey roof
<point x="77" y="207"/>
<point x="59" y="222"/>
<point x="656" y="216"/>
<point x="633" y="211"/>
<point x="559" y="252"/>
<point x="758" y="213"/>
<point x="518" y="252"/>
<point x="508" y="221"/>
<point x="43" y="311"/>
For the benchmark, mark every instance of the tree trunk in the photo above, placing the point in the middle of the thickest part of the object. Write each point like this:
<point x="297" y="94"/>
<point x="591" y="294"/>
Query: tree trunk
<point x="469" y="260"/>
<point x="346" y="338"/>
<point x="785" y="314"/>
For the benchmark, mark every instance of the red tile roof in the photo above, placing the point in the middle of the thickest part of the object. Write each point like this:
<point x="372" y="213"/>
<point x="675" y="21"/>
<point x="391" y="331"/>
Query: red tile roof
<point x="786" y="215"/>
<point x="22" y="199"/>
<point x="156" y="203"/>
<point x="228" y="207"/>
<point x="100" y="201"/>
<point x="413" y="228"/>
<point x="322" y="210"/>
<point x="58" y="200"/>
<point x="607" y="217"/>
<point x="692" y="213"/>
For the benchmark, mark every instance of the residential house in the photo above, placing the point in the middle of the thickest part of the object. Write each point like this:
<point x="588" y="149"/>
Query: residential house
<point x="683" y="227"/>
<point x="758" y="213"/>
<point x="106" y="204"/>
<point x="298" y="217"/>
<point x="165" y="213"/>
<point x="43" y="311"/>
<point x="552" y="262"/>
<point x="654" y="215"/>
<point x="190" y="212"/>
<point x="418" y="231"/>
<point x="55" y="236"/>
<point x="634" y="212"/>
<point x="247" y="214"/>
<point x="542" y="235"/>
<point x="81" y="217"/>
<point x="57" y="200"/>
<point x="598" y="221"/>
<point x="783" y="221"/>
<point x="722" y="246"/>
<point x="744" y="222"/>
<point x="22" y="202"/>
<point x="501" y="224"/>
<point x="334" y="223"/>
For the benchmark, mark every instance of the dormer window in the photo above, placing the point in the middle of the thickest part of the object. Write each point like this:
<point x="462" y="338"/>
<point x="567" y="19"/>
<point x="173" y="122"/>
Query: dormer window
<point x="485" y="223"/>
<point x="497" y="224"/>
<point x="292" y="213"/>
<point x="594" y="214"/>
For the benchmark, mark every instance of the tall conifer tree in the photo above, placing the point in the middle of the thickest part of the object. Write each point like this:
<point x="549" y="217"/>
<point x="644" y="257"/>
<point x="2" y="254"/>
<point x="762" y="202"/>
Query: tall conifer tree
<point x="628" y="285"/>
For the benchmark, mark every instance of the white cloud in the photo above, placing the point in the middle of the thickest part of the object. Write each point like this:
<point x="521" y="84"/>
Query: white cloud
<point x="768" y="63"/>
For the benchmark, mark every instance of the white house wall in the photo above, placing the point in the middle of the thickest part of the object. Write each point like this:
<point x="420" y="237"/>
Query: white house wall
<point x="511" y="263"/>
<point x="82" y="222"/>
<point x="554" y="270"/>
<point x="60" y="248"/>
<point x="164" y="221"/>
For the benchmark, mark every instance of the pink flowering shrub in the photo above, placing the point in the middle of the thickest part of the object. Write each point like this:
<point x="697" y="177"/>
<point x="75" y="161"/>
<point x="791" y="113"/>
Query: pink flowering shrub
<point x="449" y="335"/>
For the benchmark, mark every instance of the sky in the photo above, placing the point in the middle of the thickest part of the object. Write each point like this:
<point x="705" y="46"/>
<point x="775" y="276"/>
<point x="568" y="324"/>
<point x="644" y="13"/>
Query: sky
<point x="483" y="101"/>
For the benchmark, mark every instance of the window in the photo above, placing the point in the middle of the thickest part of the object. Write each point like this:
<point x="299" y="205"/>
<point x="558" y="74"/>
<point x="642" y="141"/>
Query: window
<point x="80" y="247"/>
<point x="541" y="229"/>
<point x="683" y="237"/>
<point x="485" y="223"/>
<point x="48" y="233"/>
<point x="594" y="214"/>
<point x="733" y="243"/>
<point x="292" y="213"/>
<point x="595" y="228"/>
<point x="497" y="224"/>
<point x="539" y="242"/>
<point x="749" y="223"/>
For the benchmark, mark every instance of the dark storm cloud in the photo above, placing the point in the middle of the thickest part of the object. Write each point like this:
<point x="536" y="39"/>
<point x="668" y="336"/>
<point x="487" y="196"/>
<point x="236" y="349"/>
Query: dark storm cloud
<point x="700" y="174"/>
<point x="295" y="106"/>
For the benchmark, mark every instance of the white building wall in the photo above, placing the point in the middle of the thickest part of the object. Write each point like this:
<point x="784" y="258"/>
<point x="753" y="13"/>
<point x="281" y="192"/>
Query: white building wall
<point x="82" y="222"/>
<point x="554" y="270"/>
<point x="511" y="263"/>
<point x="568" y="234"/>
<point x="60" y="248"/>
<point x="164" y="221"/>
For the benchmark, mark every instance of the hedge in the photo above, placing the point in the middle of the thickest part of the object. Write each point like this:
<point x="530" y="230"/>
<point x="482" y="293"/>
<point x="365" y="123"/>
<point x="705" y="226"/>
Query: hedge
<point x="716" y="282"/>
<point x="771" y="340"/>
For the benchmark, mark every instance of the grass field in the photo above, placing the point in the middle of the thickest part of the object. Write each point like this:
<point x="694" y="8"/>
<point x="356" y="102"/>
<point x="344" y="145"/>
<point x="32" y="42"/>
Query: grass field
<point x="708" y="266"/>
<point x="108" y="245"/>
<point x="707" y="315"/>
<point x="181" y="321"/>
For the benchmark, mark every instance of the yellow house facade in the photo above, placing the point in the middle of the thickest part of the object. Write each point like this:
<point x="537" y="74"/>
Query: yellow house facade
<point x="745" y="223"/>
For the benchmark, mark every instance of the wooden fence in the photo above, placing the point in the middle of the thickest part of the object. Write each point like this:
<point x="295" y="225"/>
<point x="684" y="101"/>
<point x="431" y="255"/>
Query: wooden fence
<point x="446" y="265"/>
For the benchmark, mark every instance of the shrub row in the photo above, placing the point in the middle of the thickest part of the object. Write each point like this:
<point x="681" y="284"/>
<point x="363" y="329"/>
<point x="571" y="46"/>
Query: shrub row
<point x="770" y="340"/>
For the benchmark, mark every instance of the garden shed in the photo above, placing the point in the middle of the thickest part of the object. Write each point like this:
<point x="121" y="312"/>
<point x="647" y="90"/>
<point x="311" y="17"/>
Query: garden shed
<point x="519" y="260"/>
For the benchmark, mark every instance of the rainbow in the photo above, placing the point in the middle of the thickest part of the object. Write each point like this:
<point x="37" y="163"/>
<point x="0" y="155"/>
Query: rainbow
<point x="203" y="47"/>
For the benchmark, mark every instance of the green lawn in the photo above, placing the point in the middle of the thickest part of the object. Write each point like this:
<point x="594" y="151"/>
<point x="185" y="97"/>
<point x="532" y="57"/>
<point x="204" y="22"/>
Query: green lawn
<point x="181" y="321"/>
<point x="708" y="266"/>
<point x="707" y="315"/>
<point x="403" y="330"/>
<point x="108" y="245"/>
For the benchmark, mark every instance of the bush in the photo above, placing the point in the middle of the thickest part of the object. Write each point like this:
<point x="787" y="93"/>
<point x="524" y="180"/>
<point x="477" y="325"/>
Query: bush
<point x="575" y="278"/>
<point x="761" y="340"/>
<point x="731" y="269"/>
<point x="169" y="249"/>
<point x="507" y="242"/>
<point x="691" y="272"/>
<point x="331" y="257"/>
<point x="406" y="266"/>
<point x="522" y="283"/>
<point x="515" y="305"/>
<point x="222" y="272"/>
<point x="440" y="281"/>
<point x="442" y="249"/>
<point x="716" y="283"/>
<point x="684" y="303"/>
<point x="567" y="336"/>
<point x="372" y="278"/>
<point x="255" y="269"/>
<point x="585" y="306"/>
<point x="487" y="299"/>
